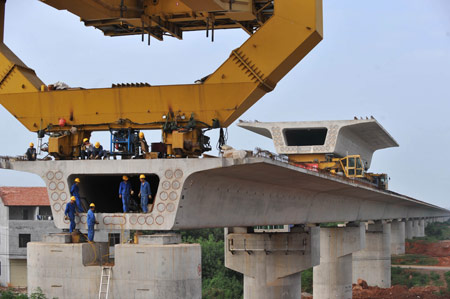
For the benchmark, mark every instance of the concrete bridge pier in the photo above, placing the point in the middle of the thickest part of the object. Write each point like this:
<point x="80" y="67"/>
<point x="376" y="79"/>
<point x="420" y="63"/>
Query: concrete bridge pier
<point x="421" y="228"/>
<point x="272" y="262"/>
<point x="158" y="267"/>
<point x="416" y="228"/>
<point x="373" y="263"/>
<point x="397" y="237"/>
<point x="333" y="277"/>
<point x="409" y="231"/>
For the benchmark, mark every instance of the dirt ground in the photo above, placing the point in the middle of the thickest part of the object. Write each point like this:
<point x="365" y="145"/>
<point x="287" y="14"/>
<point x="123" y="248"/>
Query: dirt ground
<point x="440" y="250"/>
<point x="398" y="292"/>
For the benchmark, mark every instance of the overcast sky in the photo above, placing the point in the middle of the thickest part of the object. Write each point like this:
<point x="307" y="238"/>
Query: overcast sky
<point x="389" y="59"/>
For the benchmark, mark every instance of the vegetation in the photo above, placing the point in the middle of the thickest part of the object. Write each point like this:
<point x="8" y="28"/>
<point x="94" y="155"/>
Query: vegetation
<point x="217" y="281"/>
<point x="414" y="259"/>
<point x="408" y="277"/>
<point x="10" y="294"/>
<point x="307" y="281"/>
<point x="436" y="231"/>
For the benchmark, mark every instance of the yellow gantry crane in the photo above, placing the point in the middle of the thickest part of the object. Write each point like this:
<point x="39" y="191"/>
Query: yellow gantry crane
<point x="282" y="32"/>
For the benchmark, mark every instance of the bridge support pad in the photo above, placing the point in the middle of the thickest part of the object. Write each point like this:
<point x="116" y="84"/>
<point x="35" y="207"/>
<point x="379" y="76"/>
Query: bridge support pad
<point x="158" y="269"/>
<point x="373" y="263"/>
<point x="272" y="262"/>
<point x="398" y="237"/>
<point x="333" y="277"/>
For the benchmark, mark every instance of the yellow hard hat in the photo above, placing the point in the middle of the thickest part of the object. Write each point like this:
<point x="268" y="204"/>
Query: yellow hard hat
<point x="73" y="198"/>
<point x="97" y="144"/>
<point x="142" y="176"/>
<point x="125" y="178"/>
<point x="92" y="205"/>
<point x="85" y="139"/>
<point x="31" y="144"/>
<point x="77" y="180"/>
<point x="141" y="135"/>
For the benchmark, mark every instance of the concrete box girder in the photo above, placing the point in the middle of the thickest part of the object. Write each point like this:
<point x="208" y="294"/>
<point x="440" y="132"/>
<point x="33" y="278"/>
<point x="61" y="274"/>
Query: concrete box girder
<point x="219" y="192"/>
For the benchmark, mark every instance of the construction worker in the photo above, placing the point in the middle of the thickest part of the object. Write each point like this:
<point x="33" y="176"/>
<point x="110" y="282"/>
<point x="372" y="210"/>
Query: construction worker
<point x="74" y="191"/>
<point x="31" y="152"/>
<point x="141" y="143"/>
<point x="124" y="193"/>
<point x="86" y="149"/>
<point x="145" y="193"/>
<point x="91" y="222"/>
<point x="70" y="213"/>
<point x="98" y="152"/>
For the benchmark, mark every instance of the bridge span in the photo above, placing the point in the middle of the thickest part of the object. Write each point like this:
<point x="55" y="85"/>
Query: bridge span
<point x="369" y="225"/>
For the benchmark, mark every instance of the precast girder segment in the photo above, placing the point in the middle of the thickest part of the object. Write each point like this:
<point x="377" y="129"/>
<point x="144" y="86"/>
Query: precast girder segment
<point x="250" y="72"/>
<point x="216" y="192"/>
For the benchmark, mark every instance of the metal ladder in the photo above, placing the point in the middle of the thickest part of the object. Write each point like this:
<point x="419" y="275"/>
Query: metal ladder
<point x="103" y="291"/>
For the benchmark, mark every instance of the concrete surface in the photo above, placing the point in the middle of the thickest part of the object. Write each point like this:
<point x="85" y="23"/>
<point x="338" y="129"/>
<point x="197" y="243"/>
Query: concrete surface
<point x="272" y="263"/>
<point x="409" y="230"/>
<point x="373" y="263"/>
<point x="159" y="239"/>
<point x="247" y="192"/>
<point x="398" y="237"/>
<point x="72" y="271"/>
<point x="343" y="137"/>
<point x="332" y="278"/>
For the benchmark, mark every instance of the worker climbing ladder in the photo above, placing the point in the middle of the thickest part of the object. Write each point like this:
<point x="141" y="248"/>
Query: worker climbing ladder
<point x="105" y="279"/>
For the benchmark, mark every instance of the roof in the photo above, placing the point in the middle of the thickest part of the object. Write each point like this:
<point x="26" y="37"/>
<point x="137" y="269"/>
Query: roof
<point x="24" y="196"/>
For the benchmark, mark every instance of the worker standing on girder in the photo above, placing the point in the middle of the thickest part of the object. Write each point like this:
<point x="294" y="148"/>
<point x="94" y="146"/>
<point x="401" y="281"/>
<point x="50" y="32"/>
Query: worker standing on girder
<point x="124" y="193"/>
<point x="91" y="222"/>
<point x="98" y="152"/>
<point x="74" y="191"/>
<point x="70" y="213"/>
<point x="145" y="193"/>
<point x="31" y="152"/>
<point x="140" y="143"/>
<point x="86" y="149"/>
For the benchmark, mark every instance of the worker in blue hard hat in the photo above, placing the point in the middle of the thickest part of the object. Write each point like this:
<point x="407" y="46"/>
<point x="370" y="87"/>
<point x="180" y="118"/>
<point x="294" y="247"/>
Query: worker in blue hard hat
<point x="31" y="152"/>
<point x="125" y="192"/>
<point x="70" y="213"/>
<point x="145" y="193"/>
<point x="74" y="191"/>
<point x="91" y="222"/>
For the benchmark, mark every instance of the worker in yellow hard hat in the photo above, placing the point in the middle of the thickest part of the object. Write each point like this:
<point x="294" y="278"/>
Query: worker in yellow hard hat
<point x="75" y="192"/>
<point x="98" y="152"/>
<point x="125" y="192"/>
<point x="91" y="222"/>
<point x="140" y="145"/>
<point x="70" y="213"/>
<point x="31" y="152"/>
<point x="86" y="149"/>
<point x="145" y="194"/>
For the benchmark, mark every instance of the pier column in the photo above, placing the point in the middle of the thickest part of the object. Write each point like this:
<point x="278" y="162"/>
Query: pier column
<point x="409" y="229"/>
<point x="272" y="262"/>
<point x="333" y="277"/>
<point x="373" y="263"/>
<point x="398" y="237"/>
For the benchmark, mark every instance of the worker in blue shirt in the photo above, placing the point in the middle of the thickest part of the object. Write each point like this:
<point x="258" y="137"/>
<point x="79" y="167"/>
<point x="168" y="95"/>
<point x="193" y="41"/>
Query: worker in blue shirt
<point x="125" y="192"/>
<point x="70" y="213"/>
<point x="74" y="191"/>
<point x="91" y="222"/>
<point x="145" y="193"/>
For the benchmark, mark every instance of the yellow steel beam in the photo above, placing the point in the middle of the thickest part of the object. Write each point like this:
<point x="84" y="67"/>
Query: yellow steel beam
<point x="251" y="71"/>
